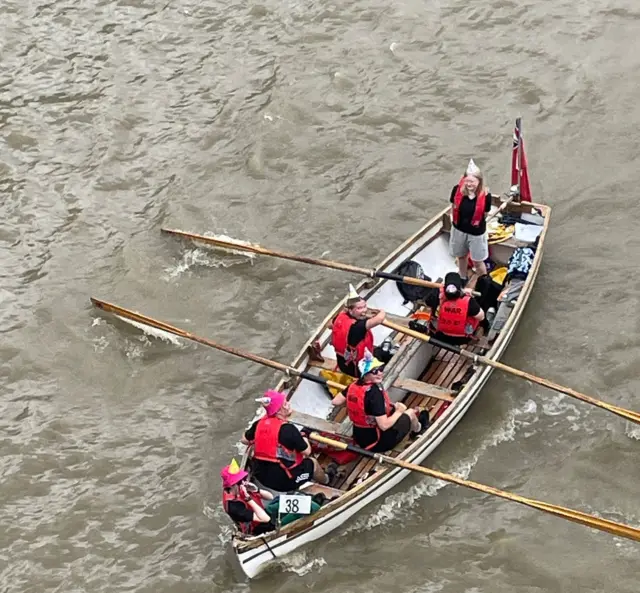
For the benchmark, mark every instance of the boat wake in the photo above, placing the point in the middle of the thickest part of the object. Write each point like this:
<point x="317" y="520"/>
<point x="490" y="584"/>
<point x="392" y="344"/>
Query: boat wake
<point x="396" y="504"/>
<point x="300" y="564"/>
<point x="633" y="431"/>
<point x="203" y="257"/>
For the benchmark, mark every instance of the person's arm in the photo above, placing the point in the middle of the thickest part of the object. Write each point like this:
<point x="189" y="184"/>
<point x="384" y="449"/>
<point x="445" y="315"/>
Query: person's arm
<point x="475" y="310"/>
<point x="259" y="514"/>
<point x="377" y="319"/>
<point x="453" y="193"/>
<point x="339" y="400"/>
<point x="385" y="422"/>
<point x="264" y="494"/>
<point x="374" y="406"/>
<point x="291" y="438"/>
<point x="488" y="202"/>
<point x="250" y="435"/>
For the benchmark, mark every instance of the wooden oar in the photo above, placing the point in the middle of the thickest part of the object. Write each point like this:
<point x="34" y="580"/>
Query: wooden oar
<point x="619" y="529"/>
<point x="161" y="325"/>
<point x="477" y="358"/>
<point x="502" y="206"/>
<point x="252" y="248"/>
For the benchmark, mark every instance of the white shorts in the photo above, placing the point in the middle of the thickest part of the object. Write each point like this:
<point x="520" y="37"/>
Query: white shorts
<point x="461" y="244"/>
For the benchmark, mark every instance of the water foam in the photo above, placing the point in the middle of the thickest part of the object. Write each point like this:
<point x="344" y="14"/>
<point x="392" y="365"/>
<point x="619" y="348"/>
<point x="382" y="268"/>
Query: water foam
<point x="632" y="431"/>
<point x="152" y="331"/>
<point x="202" y="256"/>
<point x="516" y="420"/>
<point x="299" y="563"/>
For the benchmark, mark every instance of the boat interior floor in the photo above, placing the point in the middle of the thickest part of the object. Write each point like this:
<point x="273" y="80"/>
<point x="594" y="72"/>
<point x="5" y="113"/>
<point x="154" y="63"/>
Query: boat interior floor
<point x="443" y="371"/>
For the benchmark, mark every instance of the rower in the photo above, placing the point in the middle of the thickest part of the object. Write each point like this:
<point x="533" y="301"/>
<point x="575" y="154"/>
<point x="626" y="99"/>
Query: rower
<point x="244" y="501"/>
<point x="459" y="314"/>
<point x="351" y="333"/>
<point x="281" y="454"/>
<point x="378" y="424"/>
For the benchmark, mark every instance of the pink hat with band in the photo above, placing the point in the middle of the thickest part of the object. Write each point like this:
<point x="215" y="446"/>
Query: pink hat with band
<point x="232" y="474"/>
<point x="273" y="400"/>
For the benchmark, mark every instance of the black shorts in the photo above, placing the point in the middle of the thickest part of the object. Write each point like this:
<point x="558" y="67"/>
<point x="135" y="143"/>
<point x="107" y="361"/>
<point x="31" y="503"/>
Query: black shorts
<point x="453" y="340"/>
<point x="390" y="438"/>
<point x="273" y="476"/>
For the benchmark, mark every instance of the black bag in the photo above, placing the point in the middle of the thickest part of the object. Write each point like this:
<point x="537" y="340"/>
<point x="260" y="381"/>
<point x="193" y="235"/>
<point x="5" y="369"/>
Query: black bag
<point x="409" y="292"/>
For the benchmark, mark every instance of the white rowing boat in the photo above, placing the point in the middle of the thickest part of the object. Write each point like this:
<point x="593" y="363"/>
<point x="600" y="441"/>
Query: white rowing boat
<point x="419" y="374"/>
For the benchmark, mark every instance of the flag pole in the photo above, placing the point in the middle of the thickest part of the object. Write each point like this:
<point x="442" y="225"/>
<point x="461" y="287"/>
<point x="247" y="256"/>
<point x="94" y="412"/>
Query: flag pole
<point x="520" y="146"/>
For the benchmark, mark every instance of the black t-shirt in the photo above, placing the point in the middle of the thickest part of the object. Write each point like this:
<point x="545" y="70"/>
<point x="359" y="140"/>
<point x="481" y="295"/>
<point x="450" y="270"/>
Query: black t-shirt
<point x="357" y="333"/>
<point x="474" y="308"/>
<point x="240" y="513"/>
<point x="467" y="208"/>
<point x="289" y="437"/>
<point x="373" y="406"/>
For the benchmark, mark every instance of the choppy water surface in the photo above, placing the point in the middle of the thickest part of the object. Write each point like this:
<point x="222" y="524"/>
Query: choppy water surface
<point x="317" y="128"/>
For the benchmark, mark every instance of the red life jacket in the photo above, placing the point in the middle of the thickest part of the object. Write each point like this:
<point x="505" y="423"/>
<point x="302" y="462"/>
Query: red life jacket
<point x="267" y="447"/>
<point x="478" y="215"/>
<point x="340" y="339"/>
<point x="355" y="408"/>
<point x="228" y="496"/>
<point x="453" y="316"/>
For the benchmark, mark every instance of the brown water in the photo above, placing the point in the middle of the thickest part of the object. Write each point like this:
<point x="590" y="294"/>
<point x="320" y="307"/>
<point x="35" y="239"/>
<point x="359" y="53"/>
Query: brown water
<point x="322" y="129"/>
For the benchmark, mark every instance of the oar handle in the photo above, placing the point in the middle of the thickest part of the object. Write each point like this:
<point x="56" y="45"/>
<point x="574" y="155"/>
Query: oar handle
<point x="415" y="281"/>
<point x="406" y="279"/>
<point x="502" y="206"/>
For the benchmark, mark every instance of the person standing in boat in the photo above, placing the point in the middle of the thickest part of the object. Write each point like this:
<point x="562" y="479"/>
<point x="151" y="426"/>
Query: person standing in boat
<point x="281" y="454"/>
<point x="470" y="203"/>
<point x="244" y="501"/>
<point x="351" y="333"/>
<point x="378" y="424"/>
<point x="459" y="314"/>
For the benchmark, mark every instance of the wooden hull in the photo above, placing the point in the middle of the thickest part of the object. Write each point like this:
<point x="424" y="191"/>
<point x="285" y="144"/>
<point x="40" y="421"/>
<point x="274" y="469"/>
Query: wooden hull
<point x="429" y="247"/>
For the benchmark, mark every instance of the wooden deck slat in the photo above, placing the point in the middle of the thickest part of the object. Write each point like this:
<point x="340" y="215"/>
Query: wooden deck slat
<point x="437" y="366"/>
<point x="424" y="388"/>
<point x="353" y="475"/>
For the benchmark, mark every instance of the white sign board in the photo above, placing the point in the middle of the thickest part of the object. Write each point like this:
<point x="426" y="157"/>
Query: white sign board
<point x="294" y="503"/>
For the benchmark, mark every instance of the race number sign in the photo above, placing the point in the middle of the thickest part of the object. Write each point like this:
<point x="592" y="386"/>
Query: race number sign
<point x="295" y="504"/>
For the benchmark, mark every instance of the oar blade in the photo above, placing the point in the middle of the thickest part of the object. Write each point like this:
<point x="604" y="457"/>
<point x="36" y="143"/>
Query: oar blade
<point x="137" y="319"/>
<point x="219" y="242"/>
<point x="606" y="525"/>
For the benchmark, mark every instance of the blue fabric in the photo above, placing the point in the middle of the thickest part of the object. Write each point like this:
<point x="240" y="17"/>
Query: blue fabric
<point x="520" y="262"/>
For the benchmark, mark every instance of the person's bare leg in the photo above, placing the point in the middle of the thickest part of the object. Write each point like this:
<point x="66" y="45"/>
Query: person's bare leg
<point x="463" y="266"/>
<point x="481" y="270"/>
<point x="415" y="423"/>
<point x="319" y="474"/>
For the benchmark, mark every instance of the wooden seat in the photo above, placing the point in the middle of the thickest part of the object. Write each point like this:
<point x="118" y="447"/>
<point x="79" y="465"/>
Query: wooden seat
<point x="320" y="424"/>
<point x="423" y="388"/>
<point x="328" y="364"/>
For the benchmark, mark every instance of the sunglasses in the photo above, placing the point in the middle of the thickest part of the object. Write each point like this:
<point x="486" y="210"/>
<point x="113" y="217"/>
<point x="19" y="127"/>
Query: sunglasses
<point x="376" y="371"/>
